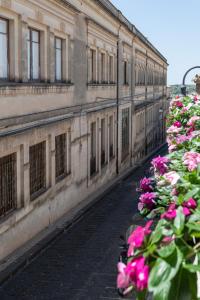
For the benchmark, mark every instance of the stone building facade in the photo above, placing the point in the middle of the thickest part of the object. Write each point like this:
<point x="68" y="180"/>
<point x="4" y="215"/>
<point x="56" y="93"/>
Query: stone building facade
<point x="82" y="99"/>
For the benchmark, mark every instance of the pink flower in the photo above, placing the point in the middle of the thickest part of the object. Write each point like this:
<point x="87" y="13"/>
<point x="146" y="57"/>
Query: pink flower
<point x="191" y="160"/>
<point x="172" y="148"/>
<point x="191" y="203"/>
<point x="137" y="237"/>
<point x="123" y="277"/>
<point x="177" y="124"/>
<point x="181" y="139"/>
<point x="195" y="98"/>
<point x="170" y="213"/>
<point x="167" y="239"/>
<point x="172" y="177"/>
<point x="173" y="129"/>
<point x="159" y="164"/>
<point x="145" y="184"/>
<point x="148" y="199"/>
<point x="174" y="192"/>
<point x="192" y="120"/>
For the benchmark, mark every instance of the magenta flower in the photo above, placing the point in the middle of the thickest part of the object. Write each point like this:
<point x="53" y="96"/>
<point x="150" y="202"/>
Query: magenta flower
<point x="177" y="124"/>
<point x="191" y="203"/>
<point x="179" y="104"/>
<point x="170" y="213"/>
<point x="148" y="199"/>
<point x="145" y="185"/>
<point x="138" y="273"/>
<point x="142" y="278"/>
<point x="186" y="211"/>
<point x="159" y="164"/>
<point x="137" y="237"/>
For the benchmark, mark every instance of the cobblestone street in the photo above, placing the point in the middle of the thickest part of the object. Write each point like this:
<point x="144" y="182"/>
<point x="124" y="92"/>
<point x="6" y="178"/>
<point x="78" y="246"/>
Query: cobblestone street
<point x="81" y="263"/>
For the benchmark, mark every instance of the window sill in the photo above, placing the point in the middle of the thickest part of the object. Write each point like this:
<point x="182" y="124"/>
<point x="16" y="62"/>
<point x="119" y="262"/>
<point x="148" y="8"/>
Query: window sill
<point x="34" y="84"/>
<point x="101" y="84"/>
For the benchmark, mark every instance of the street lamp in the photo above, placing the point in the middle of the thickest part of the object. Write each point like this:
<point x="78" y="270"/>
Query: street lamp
<point x="184" y="88"/>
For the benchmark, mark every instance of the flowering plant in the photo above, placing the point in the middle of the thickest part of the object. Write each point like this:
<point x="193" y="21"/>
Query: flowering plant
<point x="163" y="256"/>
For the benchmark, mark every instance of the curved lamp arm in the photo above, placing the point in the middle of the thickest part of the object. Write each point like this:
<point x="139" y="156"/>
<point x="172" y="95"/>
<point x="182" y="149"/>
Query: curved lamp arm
<point x="183" y="88"/>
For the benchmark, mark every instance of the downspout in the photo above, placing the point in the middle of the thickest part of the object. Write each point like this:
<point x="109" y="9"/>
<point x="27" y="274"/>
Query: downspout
<point x="117" y="97"/>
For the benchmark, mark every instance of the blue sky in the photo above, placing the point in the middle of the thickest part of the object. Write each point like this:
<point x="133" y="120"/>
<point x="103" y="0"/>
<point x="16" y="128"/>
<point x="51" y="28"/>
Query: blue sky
<point x="173" y="27"/>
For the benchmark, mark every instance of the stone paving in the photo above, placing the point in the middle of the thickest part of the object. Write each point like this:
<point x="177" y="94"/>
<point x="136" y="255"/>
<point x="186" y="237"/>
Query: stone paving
<point x="81" y="263"/>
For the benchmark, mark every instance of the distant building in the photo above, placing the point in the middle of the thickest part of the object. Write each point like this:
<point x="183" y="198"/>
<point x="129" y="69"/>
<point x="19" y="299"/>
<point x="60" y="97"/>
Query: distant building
<point x="82" y="98"/>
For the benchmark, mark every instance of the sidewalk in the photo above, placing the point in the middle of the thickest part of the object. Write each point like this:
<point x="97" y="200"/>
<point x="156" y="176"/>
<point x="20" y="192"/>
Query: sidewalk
<point x="81" y="263"/>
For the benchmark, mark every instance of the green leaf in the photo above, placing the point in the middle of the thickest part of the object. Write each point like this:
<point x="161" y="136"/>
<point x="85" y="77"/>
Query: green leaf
<point x="164" y="270"/>
<point x="162" y="294"/>
<point x="191" y="194"/>
<point x="184" y="286"/>
<point x="179" y="221"/>
<point x="167" y="250"/>
<point x="191" y="267"/>
<point x="141" y="295"/>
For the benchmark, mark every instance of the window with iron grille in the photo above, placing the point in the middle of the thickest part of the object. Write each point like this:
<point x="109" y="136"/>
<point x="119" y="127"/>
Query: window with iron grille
<point x="111" y="132"/>
<point x="61" y="156"/>
<point x="125" y="133"/>
<point x="3" y="49"/>
<point x="33" y="46"/>
<point x="93" y="149"/>
<point x="37" y="156"/>
<point x="8" y="184"/>
<point x="103" y="142"/>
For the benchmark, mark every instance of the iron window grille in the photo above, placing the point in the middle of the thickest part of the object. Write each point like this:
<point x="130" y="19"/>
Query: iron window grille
<point x="93" y="168"/>
<point x="60" y="156"/>
<point x="111" y="146"/>
<point x="37" y="156"/>
<point x="8" y="184"/>
<point x="103" y="142"/>
<point x="125" y="133"/>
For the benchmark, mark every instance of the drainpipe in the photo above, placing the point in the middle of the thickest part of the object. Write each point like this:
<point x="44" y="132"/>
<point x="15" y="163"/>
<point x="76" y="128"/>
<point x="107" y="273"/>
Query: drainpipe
<point x="117" y="97"/>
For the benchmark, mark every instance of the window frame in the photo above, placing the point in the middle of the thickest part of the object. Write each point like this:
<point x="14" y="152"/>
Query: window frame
<point x="30" y="30"/>
<point x="59" y="38"/>
<point x="3" y="79"/>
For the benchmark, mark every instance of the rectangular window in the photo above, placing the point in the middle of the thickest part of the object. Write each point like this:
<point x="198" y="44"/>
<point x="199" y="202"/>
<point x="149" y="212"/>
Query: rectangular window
<point x="103" y="142"/>
<point x="8" y="184"/>
<point x="37" y="157"/>
<point x="61" y="156"/>
<point x="111" y="73"/>
<point x="125" y="133"/>
<point x="93" y="149"/>
<point x="125" y="73"/>
<point x="3" y="49"/>
<point x="33" y="46"/>
<point x="111" y="132"/>
<point x="93" y="65"/>
<point x="58" y="59"/>
<point x="103" y="58"/>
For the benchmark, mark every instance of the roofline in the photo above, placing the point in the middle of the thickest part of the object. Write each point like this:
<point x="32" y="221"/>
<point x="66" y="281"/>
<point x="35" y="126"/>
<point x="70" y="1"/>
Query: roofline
<point x="120" y="17"/>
